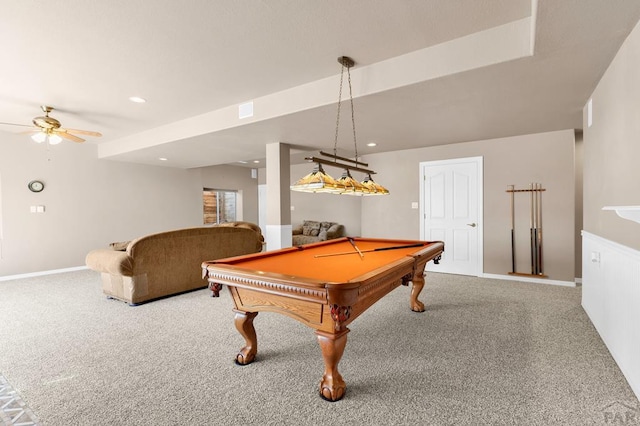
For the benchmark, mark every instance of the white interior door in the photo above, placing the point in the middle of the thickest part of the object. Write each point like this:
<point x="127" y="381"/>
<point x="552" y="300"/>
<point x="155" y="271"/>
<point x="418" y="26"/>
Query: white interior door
<point x="451" y="203"/>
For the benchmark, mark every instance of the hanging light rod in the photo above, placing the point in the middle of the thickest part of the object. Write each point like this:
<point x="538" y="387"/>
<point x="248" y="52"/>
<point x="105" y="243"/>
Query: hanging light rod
<point x="339" y="165"/>
<point x="337" y="157"/>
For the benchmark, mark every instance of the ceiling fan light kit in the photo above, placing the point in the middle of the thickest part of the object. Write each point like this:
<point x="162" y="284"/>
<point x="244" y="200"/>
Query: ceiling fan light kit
<point x="39" y="137"/>
<point x="54" y="139"/>
<point x="47" y="136"/>
<point x="50" y="130"/>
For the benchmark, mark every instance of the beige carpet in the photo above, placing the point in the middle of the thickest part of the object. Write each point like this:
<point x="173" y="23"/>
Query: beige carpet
<point x="484" y="352"/>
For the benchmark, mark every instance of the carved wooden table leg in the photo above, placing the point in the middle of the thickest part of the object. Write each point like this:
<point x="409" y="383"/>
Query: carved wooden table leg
<point x="332" y="386"/>
<point x="244" y="324"/>
<point x="416" y="288"/>
<point x="215" y="289"/>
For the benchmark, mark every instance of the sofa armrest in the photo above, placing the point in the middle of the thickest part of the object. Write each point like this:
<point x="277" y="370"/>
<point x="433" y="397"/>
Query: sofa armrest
<point x="335" y="231"/>
<point x="110" y="261"/>
<point x="119" y="245"/>
<point x="297" y="230"/>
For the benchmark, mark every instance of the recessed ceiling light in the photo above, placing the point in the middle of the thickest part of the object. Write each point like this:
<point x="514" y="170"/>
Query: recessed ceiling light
<point x="242" y="162"/>
<point x="372" y="144"/>
<point x="137" y="99"/>
<point x="162" y="159"/>
<point x="256" y="161"/>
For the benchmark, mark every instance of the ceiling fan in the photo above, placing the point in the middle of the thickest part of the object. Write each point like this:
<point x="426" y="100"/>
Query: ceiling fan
<point x="49" y="129"/>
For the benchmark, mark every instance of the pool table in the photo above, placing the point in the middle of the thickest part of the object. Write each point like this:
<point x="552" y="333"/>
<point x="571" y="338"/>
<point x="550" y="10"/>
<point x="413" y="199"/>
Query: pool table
<point x="324" y="285"/>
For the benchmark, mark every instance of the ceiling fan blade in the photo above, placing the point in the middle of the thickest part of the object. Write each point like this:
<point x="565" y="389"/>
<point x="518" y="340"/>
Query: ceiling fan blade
<point x="14" y="124"/>
<point x="63" y="134"/>
<point x="26" y="132"/>
<point x="81" y="132"/>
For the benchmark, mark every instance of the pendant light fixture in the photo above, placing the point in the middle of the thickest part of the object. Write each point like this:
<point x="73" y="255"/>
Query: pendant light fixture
<point x="374" y="187"/>
<point x="318" y="180"/>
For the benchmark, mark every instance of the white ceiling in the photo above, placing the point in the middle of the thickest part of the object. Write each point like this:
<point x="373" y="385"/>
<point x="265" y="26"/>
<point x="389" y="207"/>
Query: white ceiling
<point x="427" y="72"/>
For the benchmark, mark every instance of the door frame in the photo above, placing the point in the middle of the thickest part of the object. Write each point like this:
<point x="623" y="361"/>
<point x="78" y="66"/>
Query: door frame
<point x="480" y="207"/>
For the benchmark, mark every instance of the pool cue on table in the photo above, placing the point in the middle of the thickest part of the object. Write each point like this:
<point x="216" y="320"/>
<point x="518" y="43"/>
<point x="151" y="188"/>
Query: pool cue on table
<point x="356" y="247"/>
<point x="513" y="232"/>
<point x="369" y="251"/>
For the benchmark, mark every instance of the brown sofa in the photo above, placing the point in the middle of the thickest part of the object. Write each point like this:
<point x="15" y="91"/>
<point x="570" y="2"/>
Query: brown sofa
<point x="169" y="263"/>
<point x="312" y="231"/>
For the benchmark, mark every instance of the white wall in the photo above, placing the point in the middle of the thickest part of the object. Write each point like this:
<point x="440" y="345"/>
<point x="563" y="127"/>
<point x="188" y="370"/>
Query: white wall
<point x="88" y="203"/>
<point x="611" y="258"/>
<point x="91" y="202"/>
<point x="612" y="147"/>
<point x="547" y="158"/>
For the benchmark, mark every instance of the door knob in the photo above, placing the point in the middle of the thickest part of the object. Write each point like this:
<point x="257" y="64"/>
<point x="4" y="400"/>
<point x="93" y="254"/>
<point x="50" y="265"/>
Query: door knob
<point x="473" y="225"/>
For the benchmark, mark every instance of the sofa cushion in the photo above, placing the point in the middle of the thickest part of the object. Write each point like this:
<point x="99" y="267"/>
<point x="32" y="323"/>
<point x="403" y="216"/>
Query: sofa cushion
<point x="297" y="230"/>
<point x="324" y="226"/>
<point x="247" y="225"/>
<point x="310" y="228"/>
<point x="301" y="239"/>
<point x="335" y="231"/>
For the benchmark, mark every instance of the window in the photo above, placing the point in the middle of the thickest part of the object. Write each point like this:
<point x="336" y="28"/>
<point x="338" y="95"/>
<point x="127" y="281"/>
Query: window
<point x="219" y="206"/>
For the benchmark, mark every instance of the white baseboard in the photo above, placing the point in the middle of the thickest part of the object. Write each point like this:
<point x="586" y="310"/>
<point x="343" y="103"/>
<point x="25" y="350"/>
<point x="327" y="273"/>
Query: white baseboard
<point x="529" y="279"/>
<point x="41" y="273"/>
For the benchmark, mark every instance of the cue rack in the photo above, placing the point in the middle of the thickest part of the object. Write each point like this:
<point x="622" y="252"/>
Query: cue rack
<point x="534" y="191"/>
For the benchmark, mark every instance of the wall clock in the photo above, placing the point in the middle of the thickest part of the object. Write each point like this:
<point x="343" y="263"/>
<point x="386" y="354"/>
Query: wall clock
<point x="36" y="186"/>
